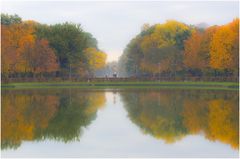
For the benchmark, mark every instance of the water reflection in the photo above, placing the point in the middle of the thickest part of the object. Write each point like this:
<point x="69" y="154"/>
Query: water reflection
<point x="172" y="114"/>
<point x="169" y="115"/>
<point x="58" y="114"/>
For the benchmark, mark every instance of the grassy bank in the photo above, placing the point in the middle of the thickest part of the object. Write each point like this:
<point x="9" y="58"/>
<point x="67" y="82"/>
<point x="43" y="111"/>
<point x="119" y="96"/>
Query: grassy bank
<point x="119" y="85"/>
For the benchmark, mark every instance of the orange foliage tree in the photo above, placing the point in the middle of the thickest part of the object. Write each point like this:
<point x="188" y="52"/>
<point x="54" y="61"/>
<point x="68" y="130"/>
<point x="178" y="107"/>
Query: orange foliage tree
<point x="23" y="52"/>
<point x="43" y="58"/>
<point x="224" y="49"/>
<point x="197" y="50"/>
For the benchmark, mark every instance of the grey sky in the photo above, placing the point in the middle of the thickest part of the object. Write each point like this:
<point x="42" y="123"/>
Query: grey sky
<point x="114" y="24"/>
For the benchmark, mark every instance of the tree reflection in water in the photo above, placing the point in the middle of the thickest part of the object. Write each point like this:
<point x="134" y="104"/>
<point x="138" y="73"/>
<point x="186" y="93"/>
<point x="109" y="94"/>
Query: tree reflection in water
<point x="172" y="114"/>
<point x="59" y="114"/>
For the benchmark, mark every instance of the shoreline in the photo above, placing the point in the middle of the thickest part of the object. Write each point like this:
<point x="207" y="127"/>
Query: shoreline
<point x="126" y="85"/>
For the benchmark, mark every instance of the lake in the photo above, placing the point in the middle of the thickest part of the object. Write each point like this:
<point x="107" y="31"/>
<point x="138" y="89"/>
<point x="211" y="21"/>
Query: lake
<point x="119" y="123"/>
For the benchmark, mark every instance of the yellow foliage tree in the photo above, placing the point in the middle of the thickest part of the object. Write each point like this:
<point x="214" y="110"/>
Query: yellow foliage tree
<point x="95" y="58"/>
<point x="162" y="46"/>
<point x="225" y="46"/>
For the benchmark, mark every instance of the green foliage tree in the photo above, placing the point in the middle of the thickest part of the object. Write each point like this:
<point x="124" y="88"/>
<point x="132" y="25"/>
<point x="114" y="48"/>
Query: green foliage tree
<point x="30" y="48"/>
<point x="7" y="19"/>
<point x="69" y="41"/>
<point x="157" y="49"/>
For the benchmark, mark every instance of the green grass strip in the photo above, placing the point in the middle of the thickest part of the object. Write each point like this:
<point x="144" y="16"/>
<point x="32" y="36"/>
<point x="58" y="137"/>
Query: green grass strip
<point x="125" y="85"/>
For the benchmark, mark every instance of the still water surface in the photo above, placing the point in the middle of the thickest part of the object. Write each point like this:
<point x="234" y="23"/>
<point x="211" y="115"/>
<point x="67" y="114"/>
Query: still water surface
<point x="119" y="123"/>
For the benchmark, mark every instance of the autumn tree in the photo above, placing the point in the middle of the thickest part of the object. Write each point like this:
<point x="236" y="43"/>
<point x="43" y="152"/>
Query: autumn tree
<point x="43" y="58"/>
<point x="176" y="49"/>
<point x="224" y="49"/>
<point x="197" y="49"/>
<point x="17" y="40"/>
<point x="95" y="59"/>
<point x="193" y="57"/>
<point x="69" y="41"/>
<point x="158" y="48"/>
<point x="30" y="48"/>
<point x="23" y="52"/>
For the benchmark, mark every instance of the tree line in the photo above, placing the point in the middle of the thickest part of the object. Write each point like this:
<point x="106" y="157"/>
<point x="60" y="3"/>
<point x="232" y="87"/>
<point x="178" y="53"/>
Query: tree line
<point x="175" y="49"/>
<point x="34" y="50"/>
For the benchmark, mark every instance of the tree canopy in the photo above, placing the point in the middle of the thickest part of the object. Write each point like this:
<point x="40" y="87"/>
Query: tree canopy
<point x="30" y="48"/>
<point x="176" y="49"/>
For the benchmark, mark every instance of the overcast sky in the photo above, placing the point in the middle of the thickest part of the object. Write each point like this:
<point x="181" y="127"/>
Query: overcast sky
<point x="114" y="24"/>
